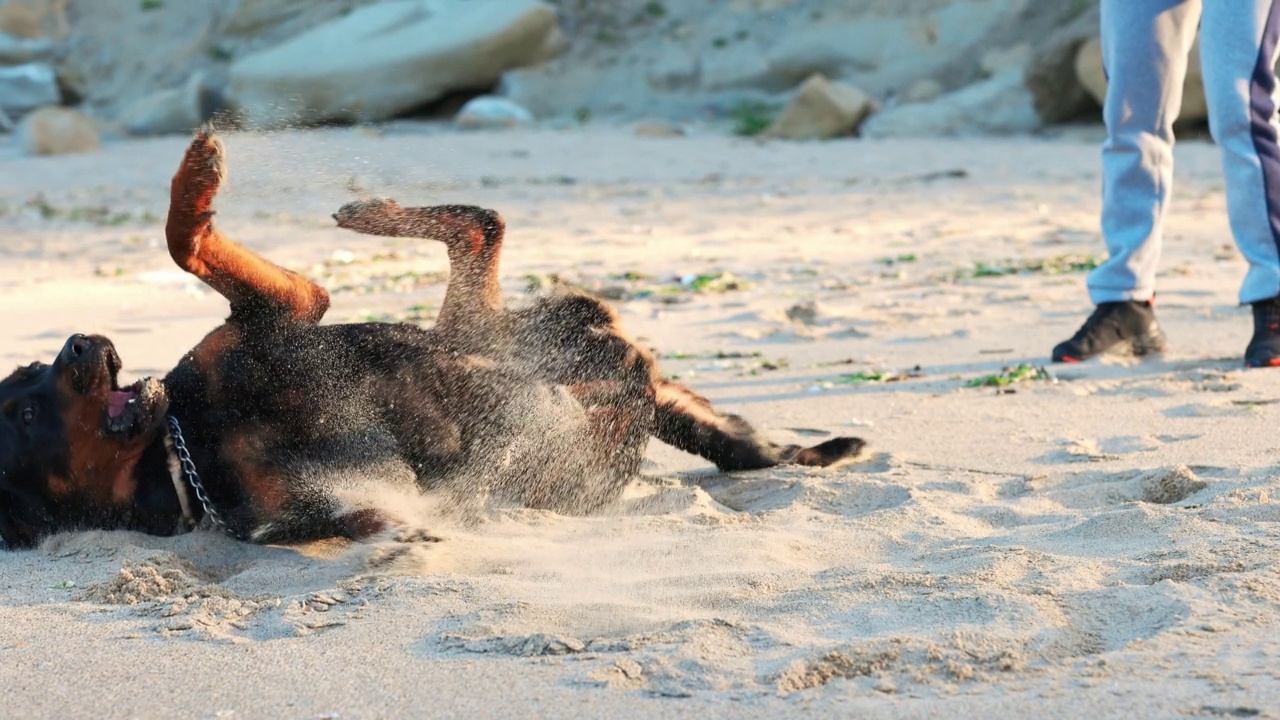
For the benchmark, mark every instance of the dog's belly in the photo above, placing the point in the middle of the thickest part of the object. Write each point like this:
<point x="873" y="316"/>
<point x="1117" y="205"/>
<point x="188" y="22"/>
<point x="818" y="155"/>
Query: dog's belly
<point x="542" y="448"/>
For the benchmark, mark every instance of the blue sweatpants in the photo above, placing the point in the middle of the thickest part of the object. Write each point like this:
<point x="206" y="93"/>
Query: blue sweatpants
<point x="1145" y="44"/>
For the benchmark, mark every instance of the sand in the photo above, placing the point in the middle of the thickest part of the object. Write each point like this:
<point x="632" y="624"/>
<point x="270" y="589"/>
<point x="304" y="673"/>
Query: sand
<point x="1101" y="542"/>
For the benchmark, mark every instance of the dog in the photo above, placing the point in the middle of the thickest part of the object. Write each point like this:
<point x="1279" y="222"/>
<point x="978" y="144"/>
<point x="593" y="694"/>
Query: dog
<point x="263" y="423"/>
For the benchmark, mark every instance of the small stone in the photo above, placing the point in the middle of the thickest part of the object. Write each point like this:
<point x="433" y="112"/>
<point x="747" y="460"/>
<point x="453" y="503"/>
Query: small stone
<point x="612" y="292"/>
<point x="659" y="129"/>
<point x="822" y="109"/>
<point x="492" y="113"/>
<point x="57" y="131"/>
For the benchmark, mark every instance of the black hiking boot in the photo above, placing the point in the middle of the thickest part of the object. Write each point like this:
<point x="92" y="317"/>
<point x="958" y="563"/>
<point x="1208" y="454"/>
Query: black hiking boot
<point x="1264" y="348"/>
<point x="1115" y="325"/>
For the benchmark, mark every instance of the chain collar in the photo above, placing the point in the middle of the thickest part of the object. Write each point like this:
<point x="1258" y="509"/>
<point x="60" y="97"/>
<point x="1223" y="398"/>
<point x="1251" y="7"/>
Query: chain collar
<point x="188" y="473"/>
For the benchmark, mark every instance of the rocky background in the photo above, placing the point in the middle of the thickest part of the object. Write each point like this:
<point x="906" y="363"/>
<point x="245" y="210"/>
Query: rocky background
<point x="74" y="70"/>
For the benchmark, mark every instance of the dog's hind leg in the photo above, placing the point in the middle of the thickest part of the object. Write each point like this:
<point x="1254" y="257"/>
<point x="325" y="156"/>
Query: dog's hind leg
<point x="471" y="235"/>
<point x="256" y="288"/>
<point x="687" y="421"/>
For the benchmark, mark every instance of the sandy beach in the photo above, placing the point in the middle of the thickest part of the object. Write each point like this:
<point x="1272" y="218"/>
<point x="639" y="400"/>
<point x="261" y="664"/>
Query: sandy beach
<point x="1098" y="540"/>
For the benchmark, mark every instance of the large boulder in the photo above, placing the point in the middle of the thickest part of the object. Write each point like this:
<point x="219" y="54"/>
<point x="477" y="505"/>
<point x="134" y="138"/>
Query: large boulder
<point x="822" y="109"/>
<point x="1087" y="66"/>
<point x="996" y="106"/>
<point x="388" y="58"/>
<point x="174" y="111"/>
<point x="57" y="131"/>
<point x="27" y="86"/>
<point x="254" y="16"/>
<point x="15" y="50"/>
<point x="884" y="52"/>
<point x="1051" y="76"/>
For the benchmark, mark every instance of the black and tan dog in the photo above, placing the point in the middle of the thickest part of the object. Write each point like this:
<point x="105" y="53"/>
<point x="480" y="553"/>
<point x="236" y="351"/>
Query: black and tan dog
<point x="261" y="424"/>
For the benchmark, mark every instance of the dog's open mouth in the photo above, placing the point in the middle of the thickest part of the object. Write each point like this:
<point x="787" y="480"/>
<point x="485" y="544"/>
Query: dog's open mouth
<point x="135" y="407"/>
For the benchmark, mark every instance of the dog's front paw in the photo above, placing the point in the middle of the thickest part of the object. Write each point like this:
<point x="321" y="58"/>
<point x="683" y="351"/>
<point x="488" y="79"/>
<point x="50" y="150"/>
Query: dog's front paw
<point x="371" y="217"/>
<point x="203" y="170"/>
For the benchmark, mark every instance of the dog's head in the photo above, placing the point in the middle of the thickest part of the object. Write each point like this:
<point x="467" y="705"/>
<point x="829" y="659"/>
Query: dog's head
<point x="70" y="438"/>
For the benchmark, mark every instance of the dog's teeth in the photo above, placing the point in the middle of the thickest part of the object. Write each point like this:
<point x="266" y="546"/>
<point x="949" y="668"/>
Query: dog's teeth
<point x="132" y="401"/>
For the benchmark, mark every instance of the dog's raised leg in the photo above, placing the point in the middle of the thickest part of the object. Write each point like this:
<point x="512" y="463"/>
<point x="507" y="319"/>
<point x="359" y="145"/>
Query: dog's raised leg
<point x="473" y="238"/>
<point x="687" y="421"/>
<point x="256" y="288"/>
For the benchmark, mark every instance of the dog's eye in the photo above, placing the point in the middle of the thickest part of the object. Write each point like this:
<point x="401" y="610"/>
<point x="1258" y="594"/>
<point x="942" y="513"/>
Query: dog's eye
<point x="29" y="415"/>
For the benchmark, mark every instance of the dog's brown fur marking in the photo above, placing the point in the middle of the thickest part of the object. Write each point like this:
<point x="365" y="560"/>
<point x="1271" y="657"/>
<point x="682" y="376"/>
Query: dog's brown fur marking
<point x="266" y="486"/>
<point x="241" y="276"/>
<point x="100" y="471"/>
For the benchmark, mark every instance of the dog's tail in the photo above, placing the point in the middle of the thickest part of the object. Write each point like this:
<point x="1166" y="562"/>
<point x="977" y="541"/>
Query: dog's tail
<point x="687" y="421"/>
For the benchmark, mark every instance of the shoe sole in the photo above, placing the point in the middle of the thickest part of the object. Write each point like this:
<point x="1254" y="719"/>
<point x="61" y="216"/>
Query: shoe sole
<point x="1270" y="363"/>
<point x="1149" y="344"/>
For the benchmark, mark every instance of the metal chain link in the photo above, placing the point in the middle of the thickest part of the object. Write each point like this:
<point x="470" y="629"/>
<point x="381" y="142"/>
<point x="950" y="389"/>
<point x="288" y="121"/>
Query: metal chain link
<point x="193" y="478"/>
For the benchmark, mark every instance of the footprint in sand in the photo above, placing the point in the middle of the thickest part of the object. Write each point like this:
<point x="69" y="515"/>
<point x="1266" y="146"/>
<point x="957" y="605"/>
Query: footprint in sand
<point x="1222" y="408"/>
<point x="1075" y="450"/>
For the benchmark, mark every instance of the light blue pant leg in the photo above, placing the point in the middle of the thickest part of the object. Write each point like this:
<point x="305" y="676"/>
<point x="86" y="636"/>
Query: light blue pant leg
<point x="1238" y="53"/>
<point x="1145" y="44"/>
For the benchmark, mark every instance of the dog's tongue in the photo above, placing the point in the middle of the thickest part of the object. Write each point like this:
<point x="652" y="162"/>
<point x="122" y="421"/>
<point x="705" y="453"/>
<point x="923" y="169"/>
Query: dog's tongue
<point x="118" y="400"/>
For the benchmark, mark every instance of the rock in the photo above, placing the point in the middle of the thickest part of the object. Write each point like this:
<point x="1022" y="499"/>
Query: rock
<point x="922" y="90"/>
<point x="998" y="105"/>
<point x="550" y="89"/>
<point x="659" y="129"/>
<point x="1000" y="59"/>
<point x="33" y="18"/>
<point x="1057" y="93"/>
<point x="57" y="131"/>
<point x="175" y="111"/>
<point x="73" y="83"/>
<point x="15" y="50"/>
<point x="491" y="113"/>
<point x="385" y="59"/>
<point x="1087" y="66"/>
<point x="253" y="16"/>
<point x="675" y="68"/>
<point x="1088" y="71"/>
<point x="28" y="86"/>
<point x="881" y="53"/>
<point x="822" y="109"/>
<point x="740" y="66"/>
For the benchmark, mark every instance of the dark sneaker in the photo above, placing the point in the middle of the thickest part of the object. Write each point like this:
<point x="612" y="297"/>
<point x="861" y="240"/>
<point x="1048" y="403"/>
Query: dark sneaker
<point x="1128" y="325"/>
<point x="1264" y="348"/>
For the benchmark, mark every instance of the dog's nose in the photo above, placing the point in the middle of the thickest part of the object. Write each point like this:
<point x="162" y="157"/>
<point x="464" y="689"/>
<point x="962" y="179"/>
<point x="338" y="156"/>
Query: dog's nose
<point x="77" y="348"/>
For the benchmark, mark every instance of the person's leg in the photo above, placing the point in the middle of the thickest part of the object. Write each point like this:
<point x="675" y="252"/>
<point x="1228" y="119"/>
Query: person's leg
<point x="1144" y="52"/>
<point x="1238" y="50"/>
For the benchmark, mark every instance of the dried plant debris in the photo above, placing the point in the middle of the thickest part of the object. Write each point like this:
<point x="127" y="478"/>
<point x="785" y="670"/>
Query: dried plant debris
<point x="753" y="363"/>
<point x="878" y="376"/>
<point x="631" y="285"/>
<point x="101" y="215"/>
<point x="1056" y="265"/>
<point x="412" y="314"/>
<point x="1009" y="375"/>
<point x="899" y="259"/>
